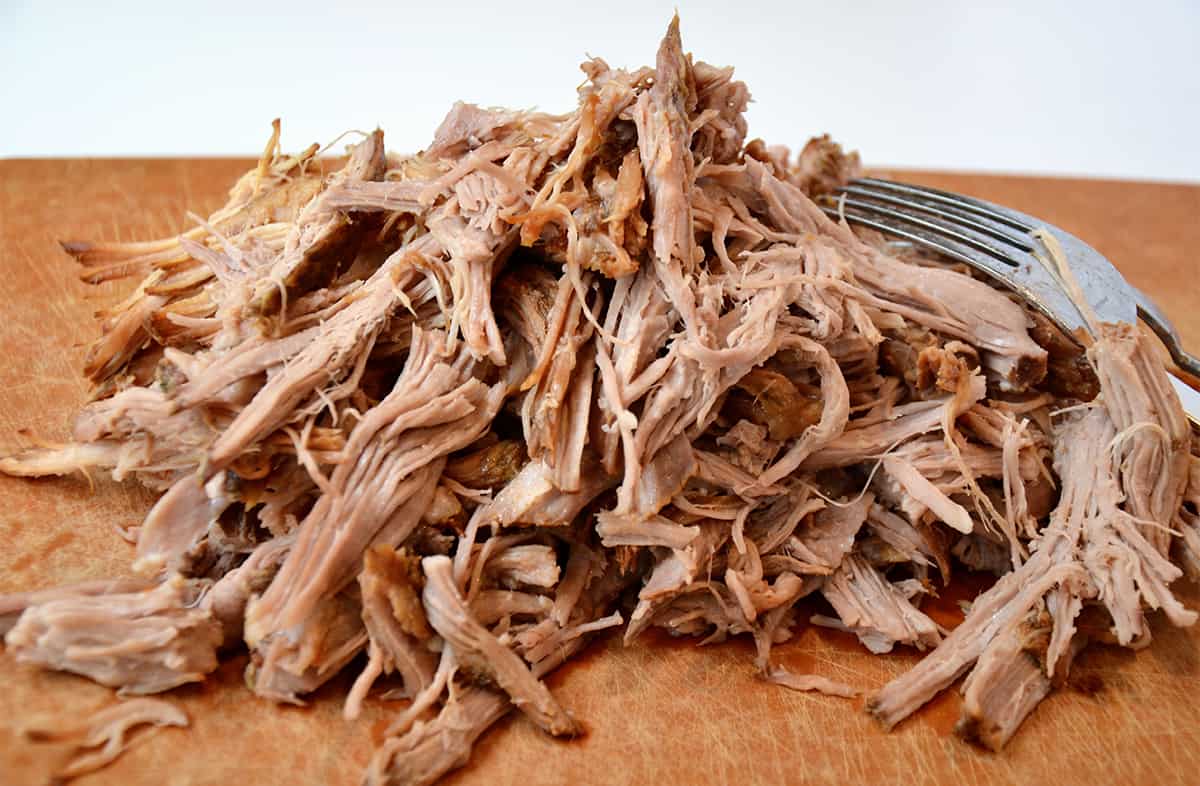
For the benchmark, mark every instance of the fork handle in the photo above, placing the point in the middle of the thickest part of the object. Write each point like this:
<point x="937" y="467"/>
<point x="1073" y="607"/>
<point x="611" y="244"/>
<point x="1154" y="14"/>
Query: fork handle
<point x="1189" y="398"/>
<point x="1186" y="376"/>
<point x="1186" y="361"/>
<point x="1153" y="316"/>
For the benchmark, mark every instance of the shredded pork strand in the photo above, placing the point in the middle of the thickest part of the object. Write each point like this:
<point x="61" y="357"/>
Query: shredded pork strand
<point x="811" y="682"/>
<point x="460" y="411"/>
<point x="102" y="736"/>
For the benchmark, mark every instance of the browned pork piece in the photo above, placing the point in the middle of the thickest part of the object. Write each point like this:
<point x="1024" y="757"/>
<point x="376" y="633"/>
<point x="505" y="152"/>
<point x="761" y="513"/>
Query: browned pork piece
<point x="460" y="411"/>
<point x="322" y="238"/>
<point x="395" y="621"/>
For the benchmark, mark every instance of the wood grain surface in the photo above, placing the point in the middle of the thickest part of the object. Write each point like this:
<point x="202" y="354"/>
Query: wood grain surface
<point x="656" y="712"/>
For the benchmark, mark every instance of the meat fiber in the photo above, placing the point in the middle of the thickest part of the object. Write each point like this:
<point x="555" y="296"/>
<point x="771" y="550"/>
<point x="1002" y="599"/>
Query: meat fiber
<point x="395" y="622"/>
<point x="481" y="654"/>
<point x="106" y="730"/>
<point x="435" y="747"/>
<point x="875" y="610"/>
<point x="15" y="604"/>
<point x="141" y="642"/>
<point x="1092" y="551"/>
<point x="460" y="411"/>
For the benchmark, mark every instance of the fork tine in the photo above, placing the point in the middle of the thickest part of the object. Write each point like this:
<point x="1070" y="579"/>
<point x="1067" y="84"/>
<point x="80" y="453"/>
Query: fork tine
<point x="888" y="207"/>
<point x="1154" y="317"/>
<point x="1109" y="295"/>
<point x="1029" y="279"/>
<point x="928" y="242"/>
<point x="936" y="227"/>
<point x="955" y="215"/>
<point x="935" y="241"/>
<point x="958" y="201"/>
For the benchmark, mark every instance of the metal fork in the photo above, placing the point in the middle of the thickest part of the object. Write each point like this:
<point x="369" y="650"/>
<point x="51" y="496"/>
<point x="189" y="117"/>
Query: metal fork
<point x="1000" y="242"/>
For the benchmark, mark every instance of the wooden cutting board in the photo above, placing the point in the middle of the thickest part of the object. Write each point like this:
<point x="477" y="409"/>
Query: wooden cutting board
<point x="656" y="712"/>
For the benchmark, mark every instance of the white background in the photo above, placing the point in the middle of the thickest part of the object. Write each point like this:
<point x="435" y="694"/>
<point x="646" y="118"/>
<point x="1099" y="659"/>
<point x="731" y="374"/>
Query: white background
<point x="1104" y="88"/>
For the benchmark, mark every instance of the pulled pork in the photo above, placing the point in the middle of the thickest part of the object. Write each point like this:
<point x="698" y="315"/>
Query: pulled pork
<point x="458" y="411"/>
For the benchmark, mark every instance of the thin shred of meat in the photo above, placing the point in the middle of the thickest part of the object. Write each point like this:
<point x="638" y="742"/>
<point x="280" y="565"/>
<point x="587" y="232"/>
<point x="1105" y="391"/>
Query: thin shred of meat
<point x="811" y="682"/>
<point x="103" y="736"/>
<point x="13" y="604"/>
<point x="395" y="623"/>
<point x="479" y="651"/>
<point x="432" y="748"/>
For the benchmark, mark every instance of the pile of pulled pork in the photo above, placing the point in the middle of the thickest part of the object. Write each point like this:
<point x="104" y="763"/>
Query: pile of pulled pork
<point x="458" y="411"/>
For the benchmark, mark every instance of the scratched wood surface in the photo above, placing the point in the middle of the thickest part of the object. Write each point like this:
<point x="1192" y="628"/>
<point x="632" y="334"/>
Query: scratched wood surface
<point x="656" y="712"/>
